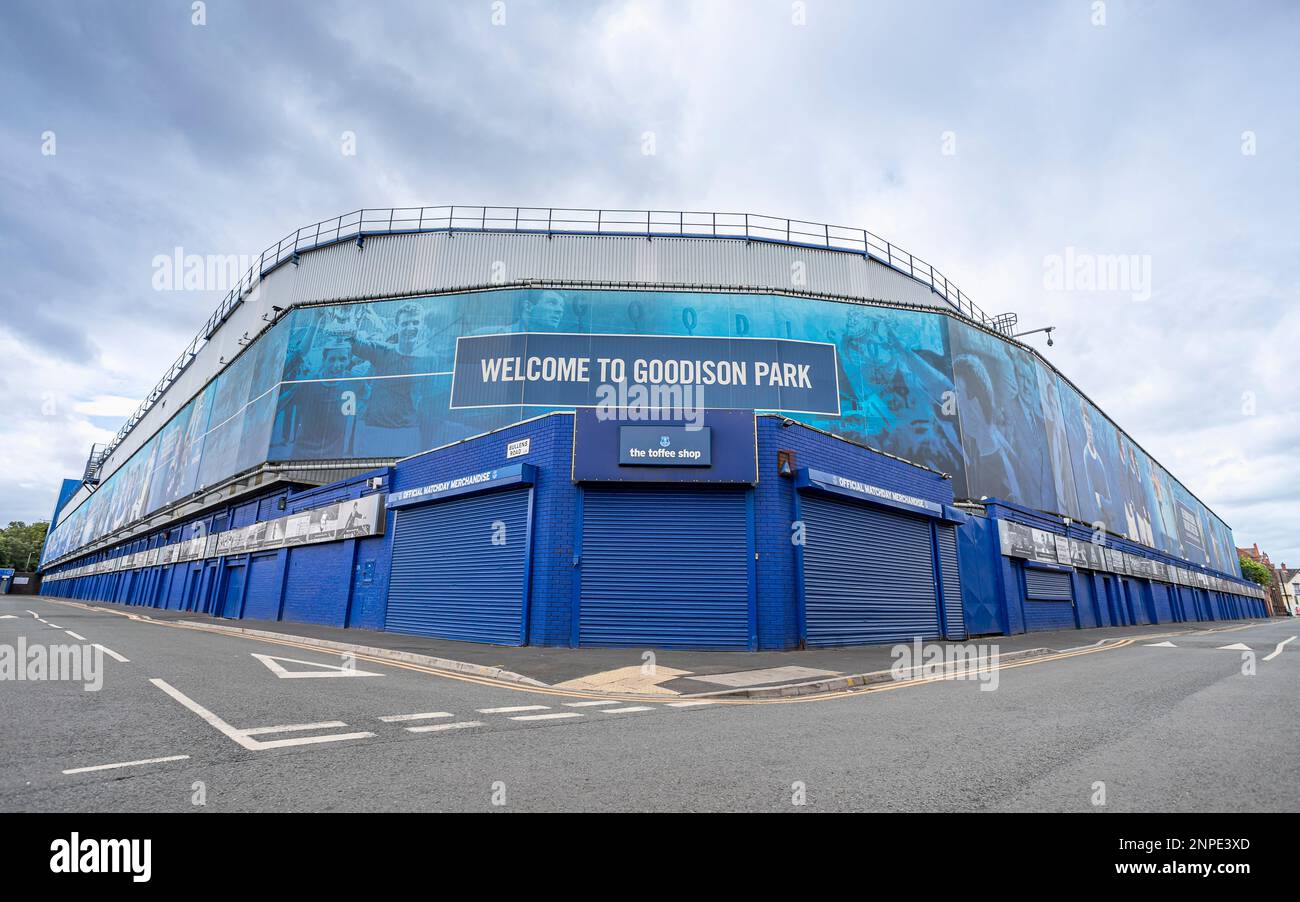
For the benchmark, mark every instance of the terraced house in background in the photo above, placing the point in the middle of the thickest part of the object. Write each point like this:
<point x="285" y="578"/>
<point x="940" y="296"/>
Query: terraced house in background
<point x="442" y="421"/>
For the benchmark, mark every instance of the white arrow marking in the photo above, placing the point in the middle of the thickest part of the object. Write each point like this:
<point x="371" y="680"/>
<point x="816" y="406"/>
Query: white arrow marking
<point x="1236" y="646"/>
<point x="327" y="670"/>
<point x="1277" y="651"/>
<point x="1161" y="645"/>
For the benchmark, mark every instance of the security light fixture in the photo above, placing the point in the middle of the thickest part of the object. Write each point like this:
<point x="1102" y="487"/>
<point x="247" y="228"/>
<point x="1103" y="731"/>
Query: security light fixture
<point x="1047" y="329"/>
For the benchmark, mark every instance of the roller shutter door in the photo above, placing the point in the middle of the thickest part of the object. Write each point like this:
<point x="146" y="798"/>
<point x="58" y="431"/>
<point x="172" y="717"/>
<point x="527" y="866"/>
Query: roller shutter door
<point x="450" y="580"/>
<point x="868" y="575"/>
<point x="1048" y="600"/>
<point x="1047" y="585"/>
<point x="954" y="616"/>
<point x="665" y="567"/>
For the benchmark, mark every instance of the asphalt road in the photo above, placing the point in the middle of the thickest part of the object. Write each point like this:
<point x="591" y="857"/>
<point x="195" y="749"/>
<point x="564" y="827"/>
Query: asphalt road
<point x="1163" y="728"/>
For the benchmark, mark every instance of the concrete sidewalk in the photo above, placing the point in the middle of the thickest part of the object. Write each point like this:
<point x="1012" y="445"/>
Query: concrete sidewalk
<point x="676" y="672"/>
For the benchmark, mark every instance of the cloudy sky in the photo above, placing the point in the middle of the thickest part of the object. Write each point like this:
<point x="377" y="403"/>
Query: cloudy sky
<point x="987" y="138"/>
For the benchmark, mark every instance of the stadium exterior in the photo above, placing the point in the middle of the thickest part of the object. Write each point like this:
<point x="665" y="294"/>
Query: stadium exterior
<point x="614" y="428"/>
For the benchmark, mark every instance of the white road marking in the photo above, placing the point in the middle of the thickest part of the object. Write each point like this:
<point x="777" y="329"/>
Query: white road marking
<point x="112" y="654"/>
<point x="514" y="709"/>
<point x="589" y="704"/>
<point x="8" y="616"/>
<point x="84" y="770"/>
<point x="33" y="613"/>
<point x="242" y="737"/>
<point x="295" y="727"/>
<point x="440" y="727"/>
<point x="688" y="704"/>
<point x="1277" y="651"/>
<point x="310" y="740"/>
<point x="212" y="719"/>
<point x="559" y="715"/>
<point x="399" y="718"/>
<point x="625" y="710"/>
<point x="55" y="625"/>
<point x="1160" y="645"/>
<point x="75" y="636"/>
<point x="327" y="670"/>
<point x="1236" y="646"/>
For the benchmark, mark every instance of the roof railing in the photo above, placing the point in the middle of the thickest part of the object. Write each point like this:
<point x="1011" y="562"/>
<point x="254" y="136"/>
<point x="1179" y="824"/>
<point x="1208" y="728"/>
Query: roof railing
<point x="560" y="221"/>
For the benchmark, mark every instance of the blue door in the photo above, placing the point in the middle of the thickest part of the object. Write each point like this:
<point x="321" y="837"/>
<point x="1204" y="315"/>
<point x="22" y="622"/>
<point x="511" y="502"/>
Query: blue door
<point x="233" y="596"/>
<point x="263" y="602"/>
<point x="160" y="588"/>
<point x="460" y="568"/>
<point x="665" y="567"/>
<point x="868" y="574"/>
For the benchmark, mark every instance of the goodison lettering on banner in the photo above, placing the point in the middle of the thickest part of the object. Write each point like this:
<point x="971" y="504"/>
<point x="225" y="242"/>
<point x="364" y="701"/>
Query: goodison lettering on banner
<point x="542" y="369"/>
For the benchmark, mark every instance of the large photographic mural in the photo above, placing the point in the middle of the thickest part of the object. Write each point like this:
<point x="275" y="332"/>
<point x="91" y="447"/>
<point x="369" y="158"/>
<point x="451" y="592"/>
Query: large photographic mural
<point x="387" y="379"/>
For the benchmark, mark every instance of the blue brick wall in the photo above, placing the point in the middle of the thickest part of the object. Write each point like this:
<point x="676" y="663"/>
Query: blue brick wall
<point x="1145" y="598"/>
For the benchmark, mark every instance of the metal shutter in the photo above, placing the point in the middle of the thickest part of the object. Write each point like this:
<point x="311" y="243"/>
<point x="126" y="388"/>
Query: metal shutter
<point x="665" y="567"/>
<point x="448" y="578"/>
<point x="954" y="616"/>
<point x="868" y="575"/>
<point x="1045" y="590"/>
<point x="1047" y="585"/>
<point x="263" y="602"/>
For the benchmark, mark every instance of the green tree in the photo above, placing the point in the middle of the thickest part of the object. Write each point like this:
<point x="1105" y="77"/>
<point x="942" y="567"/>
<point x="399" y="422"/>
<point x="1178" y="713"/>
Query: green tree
<point x="1256" y="572"/>
<point x="20" y="544"/>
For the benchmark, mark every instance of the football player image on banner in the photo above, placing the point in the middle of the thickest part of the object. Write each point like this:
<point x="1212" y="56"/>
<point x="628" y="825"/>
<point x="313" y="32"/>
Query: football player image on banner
<point x="1137" y="517"/>
<point x="1165" y="523"/>
<point x="897" y="378"/>
<point x="1094" y="460"/>
<point x="317" y="401"/>
<point x="375" y="380"/>
<point x="1001" y="416"/>
<point x="1058" y="443"/>
<point x="400" y="363"/>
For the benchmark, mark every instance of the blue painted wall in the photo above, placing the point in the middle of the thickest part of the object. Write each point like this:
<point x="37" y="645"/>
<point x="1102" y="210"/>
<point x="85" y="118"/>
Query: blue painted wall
<point x="994" y="587"/>
<point x="346" y="583"/>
